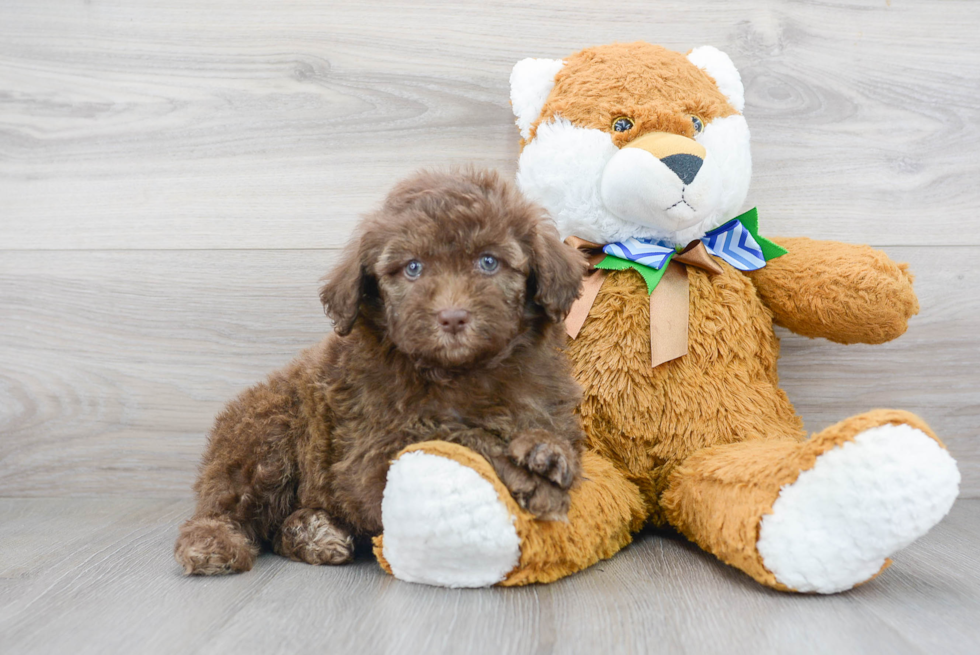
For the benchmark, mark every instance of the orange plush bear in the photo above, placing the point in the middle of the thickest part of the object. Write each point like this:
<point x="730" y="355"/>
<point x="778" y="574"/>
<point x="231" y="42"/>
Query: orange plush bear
<point x="641" y="155"/>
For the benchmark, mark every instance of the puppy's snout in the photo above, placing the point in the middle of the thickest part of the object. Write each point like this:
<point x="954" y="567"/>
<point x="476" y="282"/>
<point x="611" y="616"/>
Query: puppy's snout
<point x="453" y="320"/>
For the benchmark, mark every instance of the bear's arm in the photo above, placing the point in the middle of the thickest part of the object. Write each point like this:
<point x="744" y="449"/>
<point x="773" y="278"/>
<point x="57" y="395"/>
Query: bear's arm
<point x="839" y="291"/>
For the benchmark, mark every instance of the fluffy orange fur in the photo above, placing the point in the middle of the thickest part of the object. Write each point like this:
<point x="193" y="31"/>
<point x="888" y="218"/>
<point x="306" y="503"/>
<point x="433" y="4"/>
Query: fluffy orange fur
<point x="718" y="496"/>
<point x="853" y="294"/>
<point x="605" y="512"/>
<point x="598" y="85"/>
<point x="704" y="442"/>
<point x="647" y="420"/>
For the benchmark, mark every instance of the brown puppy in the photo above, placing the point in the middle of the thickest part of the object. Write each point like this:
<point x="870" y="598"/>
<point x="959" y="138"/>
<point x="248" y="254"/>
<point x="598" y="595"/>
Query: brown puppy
<point x="448" y="311"/>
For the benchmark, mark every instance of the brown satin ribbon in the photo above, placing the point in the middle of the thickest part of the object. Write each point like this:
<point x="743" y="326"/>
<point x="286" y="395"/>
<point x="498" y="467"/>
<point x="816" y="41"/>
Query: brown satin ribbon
<point x="669" y="302"/>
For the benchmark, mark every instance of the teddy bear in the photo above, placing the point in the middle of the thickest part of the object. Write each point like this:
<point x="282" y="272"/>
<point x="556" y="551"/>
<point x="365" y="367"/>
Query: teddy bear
<point x="641" y="156"/>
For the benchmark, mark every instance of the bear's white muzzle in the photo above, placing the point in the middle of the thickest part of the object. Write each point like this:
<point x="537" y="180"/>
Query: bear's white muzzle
<point x="638" y="187"/>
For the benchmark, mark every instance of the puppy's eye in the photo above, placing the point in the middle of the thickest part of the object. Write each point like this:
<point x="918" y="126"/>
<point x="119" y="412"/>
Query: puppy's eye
<point x="413" y="269"/>
<point x="698" y="124"/>
<point x="622" y="124"/>
<point x="488" y="263"/>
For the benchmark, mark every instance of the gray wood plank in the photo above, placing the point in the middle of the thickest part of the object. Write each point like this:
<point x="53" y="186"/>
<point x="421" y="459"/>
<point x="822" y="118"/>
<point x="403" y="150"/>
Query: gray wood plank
<point x="188" y="124"/>
<point x="107" y="372"/>
<point x="945" y="569"/>
<point x="109" y="585"/>
<point x="113" y="364"/>
<point x="136" y="138"/>
<point x="114" y="589"/>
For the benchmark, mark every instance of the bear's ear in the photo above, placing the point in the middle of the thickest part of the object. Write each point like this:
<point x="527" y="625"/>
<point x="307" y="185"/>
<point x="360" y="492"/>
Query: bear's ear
<point x="530" y="83"/>
<point x="718" y="65"/>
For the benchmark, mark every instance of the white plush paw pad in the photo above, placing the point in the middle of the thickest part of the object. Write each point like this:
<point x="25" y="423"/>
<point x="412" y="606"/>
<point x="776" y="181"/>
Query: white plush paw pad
<point x="444" y="524"/>
<point x="835" y="526"/>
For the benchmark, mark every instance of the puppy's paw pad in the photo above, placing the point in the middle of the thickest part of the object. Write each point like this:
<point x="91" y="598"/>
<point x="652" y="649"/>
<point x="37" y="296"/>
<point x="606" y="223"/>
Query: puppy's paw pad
<point x="543" y="453"/>
<point x="308" y="535"/>
<point x="204" y="561"/>
<point x="545" y="500"/>
<point x="550" y="462"/>
<point x="213" y="547"/>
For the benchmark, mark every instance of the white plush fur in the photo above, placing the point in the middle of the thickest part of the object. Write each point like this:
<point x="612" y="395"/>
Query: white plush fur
<point x="531" y="81"/>
<point x="718" y="65"/>
<point x="561" y="170"/>
<point x="445" y="525"/>
<point x="638" y="187"/>
<point x="859" y="504"/>
<point x="598" y="192"/>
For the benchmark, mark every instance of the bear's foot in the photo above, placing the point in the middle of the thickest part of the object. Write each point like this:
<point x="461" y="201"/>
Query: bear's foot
<point x="862" y="501"/>
<point x="445" y="524"/>
<point x="821" y="515"/>
<point x="449" y="521"/>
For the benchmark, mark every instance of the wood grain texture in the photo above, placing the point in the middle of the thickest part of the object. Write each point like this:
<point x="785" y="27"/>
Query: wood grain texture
<point x="250" y="124"/>
<point x="96" y="576"/>
<point x="175" y="176"/>
<point x="114" y="363"/>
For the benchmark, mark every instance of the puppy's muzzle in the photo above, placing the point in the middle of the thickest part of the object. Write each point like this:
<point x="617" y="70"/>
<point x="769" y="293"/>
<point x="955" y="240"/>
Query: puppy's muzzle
<point x="453" y="320"/>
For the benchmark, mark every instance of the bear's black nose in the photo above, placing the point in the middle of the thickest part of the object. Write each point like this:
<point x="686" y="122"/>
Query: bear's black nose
<point x="685" y="167"/>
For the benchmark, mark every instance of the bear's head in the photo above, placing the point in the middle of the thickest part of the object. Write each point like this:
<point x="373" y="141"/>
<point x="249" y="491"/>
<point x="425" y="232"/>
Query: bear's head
<point x="633" y="140"/>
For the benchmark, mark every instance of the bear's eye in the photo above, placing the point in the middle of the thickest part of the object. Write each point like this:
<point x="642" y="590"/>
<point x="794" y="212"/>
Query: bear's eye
<point x="698" y="124"/>
<point x="622" y="124"/>
<point x="413" y="269"/>
<point x="488" y="263"/>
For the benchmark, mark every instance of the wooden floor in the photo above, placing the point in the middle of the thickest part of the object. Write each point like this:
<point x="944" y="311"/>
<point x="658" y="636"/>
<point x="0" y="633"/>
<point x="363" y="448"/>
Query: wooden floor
<point x="96" y="576"/>
<point x="176" y="175"/>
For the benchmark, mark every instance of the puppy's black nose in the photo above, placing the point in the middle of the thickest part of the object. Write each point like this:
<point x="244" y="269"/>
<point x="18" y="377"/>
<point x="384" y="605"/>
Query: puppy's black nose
<point x="453" y="320"/>
<point x="685" y="167"/>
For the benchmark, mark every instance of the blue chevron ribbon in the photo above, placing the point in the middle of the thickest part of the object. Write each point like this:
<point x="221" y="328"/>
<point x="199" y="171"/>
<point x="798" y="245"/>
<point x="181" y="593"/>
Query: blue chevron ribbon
<point x="737" y="242"/>
<point x="642" y="251"/>
<point x="733" y="243"/>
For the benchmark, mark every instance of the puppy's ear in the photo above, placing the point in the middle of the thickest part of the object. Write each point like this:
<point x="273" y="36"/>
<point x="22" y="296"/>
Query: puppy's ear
<point x="343" y="289"/>
<point x="557" y="270"/>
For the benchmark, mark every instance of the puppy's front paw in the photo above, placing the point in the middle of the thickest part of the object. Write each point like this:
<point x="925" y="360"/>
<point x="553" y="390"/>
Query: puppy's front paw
<point x="545" y="500"/>
<point x="538" y="495"/>
<point x="308" y="535"/>
<point x="543" y="453"/>
<point x="213" y="546"/>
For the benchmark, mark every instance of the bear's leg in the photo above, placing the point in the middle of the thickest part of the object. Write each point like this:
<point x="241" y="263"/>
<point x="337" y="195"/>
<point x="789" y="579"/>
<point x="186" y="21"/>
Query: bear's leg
<point x="822" y="515"/>
<point x="450" y="522"/>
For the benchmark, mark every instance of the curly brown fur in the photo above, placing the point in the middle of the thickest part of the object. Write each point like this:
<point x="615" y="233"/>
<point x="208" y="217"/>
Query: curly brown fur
<point x="467" y="352"/>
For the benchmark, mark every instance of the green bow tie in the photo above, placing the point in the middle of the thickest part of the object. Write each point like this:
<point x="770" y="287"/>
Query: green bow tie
<point x="737" y="242"/>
